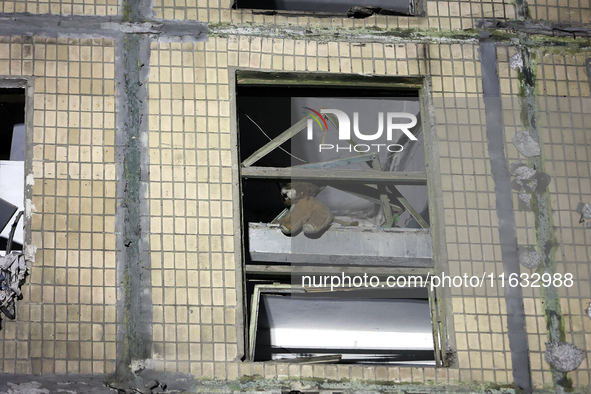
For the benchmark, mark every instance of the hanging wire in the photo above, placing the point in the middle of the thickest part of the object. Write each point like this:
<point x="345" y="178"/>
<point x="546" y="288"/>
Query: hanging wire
<point x="270" y="139"/>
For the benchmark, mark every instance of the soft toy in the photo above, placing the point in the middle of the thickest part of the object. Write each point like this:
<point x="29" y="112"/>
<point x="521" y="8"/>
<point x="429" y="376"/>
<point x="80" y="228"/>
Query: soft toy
<point x="306" y="213"/>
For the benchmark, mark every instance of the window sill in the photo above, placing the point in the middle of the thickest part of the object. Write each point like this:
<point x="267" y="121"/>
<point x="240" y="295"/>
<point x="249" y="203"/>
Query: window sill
<point x="343" y="246"/>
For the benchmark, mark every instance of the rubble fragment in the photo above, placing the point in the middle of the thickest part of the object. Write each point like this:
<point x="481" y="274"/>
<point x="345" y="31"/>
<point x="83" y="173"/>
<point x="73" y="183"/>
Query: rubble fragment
<point x="524" y="173"/>
<point x="526" y="145"/>
<point x="584" y="209"/>
<point x="525" y="180"/>
<point x="529" y="257"/>
<point x="563" y="356"/>
<point x="516" y="61"/>
<point x="524" y="202"/>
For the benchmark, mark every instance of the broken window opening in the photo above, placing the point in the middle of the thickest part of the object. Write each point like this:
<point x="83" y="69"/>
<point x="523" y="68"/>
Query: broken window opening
<point x="330" y="8"/>
<point x="352" y="146"/>
<point x="12" y="190"/>
<point x="12" y="162"/>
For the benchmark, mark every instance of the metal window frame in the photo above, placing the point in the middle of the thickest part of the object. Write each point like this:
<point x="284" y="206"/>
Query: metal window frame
<point x="281" y="288"/>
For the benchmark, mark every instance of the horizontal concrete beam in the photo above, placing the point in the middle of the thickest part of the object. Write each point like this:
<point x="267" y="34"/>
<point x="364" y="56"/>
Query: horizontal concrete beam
<point x="366" y="176"/>
<point x="363" y="246"/>
<point x="83" y="26"/>
<point x="546" y="28"/>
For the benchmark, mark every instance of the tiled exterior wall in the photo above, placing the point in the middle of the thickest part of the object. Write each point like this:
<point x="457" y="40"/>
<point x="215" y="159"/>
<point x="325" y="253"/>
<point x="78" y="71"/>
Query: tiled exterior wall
<point x="191" y="195"/>
<point x="73" y="7"/>
<point x="67" y="321"/>
<point x="575" y="11"/>
<point x="563" y="115"/>
<point x="67" y="318"/>
<point x="192" y="244"/>
<point x="181" y="150"/>
<point x="564" y="122"/>
<point x="469" y="210"/>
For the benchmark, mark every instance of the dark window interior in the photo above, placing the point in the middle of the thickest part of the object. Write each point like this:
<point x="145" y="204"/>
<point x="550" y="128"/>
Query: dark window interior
<point x="12" y="112"/>
<point x="364" y="8"/>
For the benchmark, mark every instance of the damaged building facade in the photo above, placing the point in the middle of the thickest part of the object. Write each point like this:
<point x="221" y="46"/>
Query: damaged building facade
<point x="158" y="139"/>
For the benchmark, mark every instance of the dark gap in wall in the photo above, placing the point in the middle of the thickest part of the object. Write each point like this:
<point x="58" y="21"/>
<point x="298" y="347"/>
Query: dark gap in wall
<point x="351" y="8"/>
<point x="261" y="200"/>
<point x="12" y="112"/>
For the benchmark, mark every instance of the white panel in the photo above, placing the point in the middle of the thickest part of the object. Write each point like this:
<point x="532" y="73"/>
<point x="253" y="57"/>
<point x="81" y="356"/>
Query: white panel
<point x="12" y="189"/>
<point x="348" y="323"/>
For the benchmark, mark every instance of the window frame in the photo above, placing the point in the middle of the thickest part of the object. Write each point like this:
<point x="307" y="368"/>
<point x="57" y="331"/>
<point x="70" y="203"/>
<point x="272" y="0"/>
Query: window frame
<point x="442" y="297"/>
<point x="283" y="288"/>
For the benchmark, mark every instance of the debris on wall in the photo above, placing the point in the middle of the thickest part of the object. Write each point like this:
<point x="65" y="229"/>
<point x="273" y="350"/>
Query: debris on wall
<point x="584" y="209"/>
<point x="529" y="257"/>
<point x="524" y="182"/>
<point x="516" y="62"/>
<point x="299" y="386"/>
<point x="148" y="388"/>
<point x="563" y="356"/>
<point x="524" y="143"/>
<point x="524" y="201"/>
<point x="524" y="177"/>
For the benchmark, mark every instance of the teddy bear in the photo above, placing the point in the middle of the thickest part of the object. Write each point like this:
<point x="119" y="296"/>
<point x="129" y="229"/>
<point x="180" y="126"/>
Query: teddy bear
<point x="306" y="212"/>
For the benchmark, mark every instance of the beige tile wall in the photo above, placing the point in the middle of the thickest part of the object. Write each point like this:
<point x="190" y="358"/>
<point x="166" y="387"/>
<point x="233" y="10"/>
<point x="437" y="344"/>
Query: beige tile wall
<point x="564" y="123"/>
<point x="566" y="156"/>
<point x="191" y="243"/>
<point x="189" y="113"/>
<point x="67" y="318"/>
<point x="574" y="11"/>
<point x="470" y="216"/>
<point x="534" y="319"/>
<point x="65" y="7"/>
